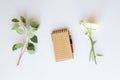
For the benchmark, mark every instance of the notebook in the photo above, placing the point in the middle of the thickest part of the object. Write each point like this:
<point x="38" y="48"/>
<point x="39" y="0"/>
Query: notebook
<point x="62" y="44"/>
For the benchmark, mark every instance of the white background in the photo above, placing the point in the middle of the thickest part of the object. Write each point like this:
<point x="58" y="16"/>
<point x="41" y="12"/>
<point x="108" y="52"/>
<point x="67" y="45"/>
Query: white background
<point x="53" y="14"/>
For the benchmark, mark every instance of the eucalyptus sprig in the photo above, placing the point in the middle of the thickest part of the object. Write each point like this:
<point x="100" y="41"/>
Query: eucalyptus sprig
<point x="88" y="33"/>
<point x="27" y="29"/>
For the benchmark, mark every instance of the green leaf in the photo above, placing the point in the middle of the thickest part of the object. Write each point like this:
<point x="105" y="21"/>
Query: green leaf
<point x="15" y="20"/>
<point x="23" y="19"/>
<point x="34" y="39"/>
<point x="86" y="33"/>
<point x="27" y="25"/>
<point x="37" y="26"/>
<point x="94" y="42"/>
<point x="31" y="48"/>
<point x="98" y="54"/>
<point x="34" y="24"/>
<point x="17" y="46"/>
<point x="31" y="51"/>
<point x="15" y="27"/>
<point x="30" y="34"/>
<point x="14" y="48"/>
<point x="20" y="31"/>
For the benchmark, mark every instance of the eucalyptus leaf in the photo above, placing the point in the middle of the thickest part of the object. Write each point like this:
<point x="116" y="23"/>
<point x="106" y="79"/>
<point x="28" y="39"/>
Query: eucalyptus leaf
<point x="23" y="19"/>
<point x="14" y="48"/>
<point x="31" y="46"/>
<point x="34" y="24"/>
<point x="34" y="39"/>
<point x="17" y="46"/>
<point x="31" y="51"/>
<point x="30" y="34"/>
<point x="20" y="31"/>
<point x="15" y="20"/>
<point x="15" y="27"/>
<point x="37" y="26"/>
<point x="27" y="25"/>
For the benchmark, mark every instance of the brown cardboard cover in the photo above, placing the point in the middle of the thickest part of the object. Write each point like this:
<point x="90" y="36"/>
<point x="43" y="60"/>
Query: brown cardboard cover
<point x="62" y="46"/>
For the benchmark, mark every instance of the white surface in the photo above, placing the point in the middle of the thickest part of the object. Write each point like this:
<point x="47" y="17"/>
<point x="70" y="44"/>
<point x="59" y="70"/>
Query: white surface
<point x="53" y="14"/>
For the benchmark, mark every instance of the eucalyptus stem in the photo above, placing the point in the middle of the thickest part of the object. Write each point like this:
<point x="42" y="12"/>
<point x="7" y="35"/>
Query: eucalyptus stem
<point x="22" y="52"/>
<point x="24" y="46"/>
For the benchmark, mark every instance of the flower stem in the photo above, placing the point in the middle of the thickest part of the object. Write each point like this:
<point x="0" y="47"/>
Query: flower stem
<point x="92" y="52"/>
<point x="92" y="55"/>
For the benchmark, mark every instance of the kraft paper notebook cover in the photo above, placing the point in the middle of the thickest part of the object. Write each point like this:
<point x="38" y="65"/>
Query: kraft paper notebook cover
<point x="62" y="44"/>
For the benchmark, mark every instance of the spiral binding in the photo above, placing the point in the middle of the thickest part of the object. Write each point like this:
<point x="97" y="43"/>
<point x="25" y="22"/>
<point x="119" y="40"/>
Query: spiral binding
<point x="60" y="30"/>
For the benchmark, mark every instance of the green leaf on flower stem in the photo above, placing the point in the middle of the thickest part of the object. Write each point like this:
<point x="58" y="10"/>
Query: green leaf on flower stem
<point x="94" y="42"/>
<point x="31" y="48"/>
<point x="23" y="19"/>
<point x="34" y="24"/>
<point x="15" y="20"/>
<point x="15" y="27"/>
<point x="98" y="54"/>
<point x="17" y="46"/>
<point x="20" y="31"/>
<point x="30" y="34"/>
<point x="86" y="33"/>
<point x="34" y="39"/>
